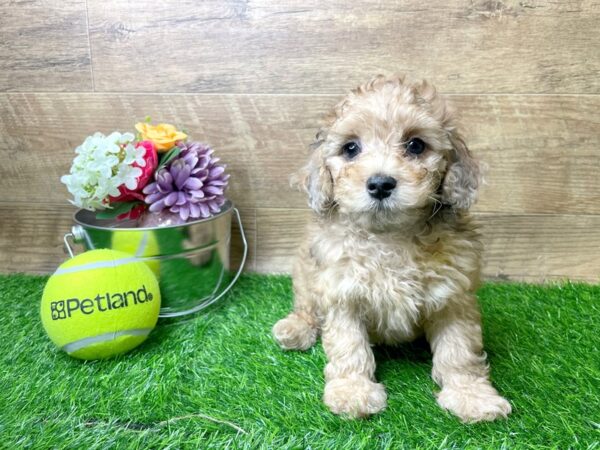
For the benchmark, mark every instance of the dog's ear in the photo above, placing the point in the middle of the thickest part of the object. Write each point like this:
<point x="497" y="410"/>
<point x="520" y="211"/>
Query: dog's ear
<point x="315" y="179"/>
<point x="461" y="182"/>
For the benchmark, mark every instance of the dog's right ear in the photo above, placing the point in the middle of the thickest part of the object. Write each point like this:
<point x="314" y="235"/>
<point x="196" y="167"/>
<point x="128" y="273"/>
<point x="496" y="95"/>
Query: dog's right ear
<point x="315" y="178"/>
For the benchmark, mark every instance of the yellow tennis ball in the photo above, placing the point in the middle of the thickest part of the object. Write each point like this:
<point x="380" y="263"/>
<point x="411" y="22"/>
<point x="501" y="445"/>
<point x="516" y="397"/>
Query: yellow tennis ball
<point x="100" y="303"/>
<point x="140" y="244"/>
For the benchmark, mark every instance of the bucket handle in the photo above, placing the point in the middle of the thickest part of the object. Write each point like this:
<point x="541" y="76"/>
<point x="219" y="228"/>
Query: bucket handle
<point x="67" y="245"/>
<point x="212" y="300"/>
<point x="77" y="234"/>
<point x="242" y="262"/>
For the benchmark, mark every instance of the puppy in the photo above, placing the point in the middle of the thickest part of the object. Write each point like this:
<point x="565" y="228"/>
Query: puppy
<point x="391" y="253"/>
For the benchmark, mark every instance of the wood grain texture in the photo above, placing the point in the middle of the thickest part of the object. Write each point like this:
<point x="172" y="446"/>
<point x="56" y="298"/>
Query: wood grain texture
<point x="517" y="247"/>
<point x="253" y="78"/>
<point x="261" y="46"/>
<point x="542" y="151"/>
<point x="44" y="46"/>
<point x="31" y="239"/>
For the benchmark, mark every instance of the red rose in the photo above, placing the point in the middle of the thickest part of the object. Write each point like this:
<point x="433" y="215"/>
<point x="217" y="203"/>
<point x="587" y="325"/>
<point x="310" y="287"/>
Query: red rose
<point x="151" y="158"/>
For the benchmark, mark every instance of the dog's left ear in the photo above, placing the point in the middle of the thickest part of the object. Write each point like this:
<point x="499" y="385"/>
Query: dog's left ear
<point x="461" y="182"/>
<point x="462" y="179"/>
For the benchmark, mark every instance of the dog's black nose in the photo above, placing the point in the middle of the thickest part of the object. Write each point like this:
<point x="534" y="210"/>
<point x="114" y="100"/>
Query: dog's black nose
<point x="380" y="187"/>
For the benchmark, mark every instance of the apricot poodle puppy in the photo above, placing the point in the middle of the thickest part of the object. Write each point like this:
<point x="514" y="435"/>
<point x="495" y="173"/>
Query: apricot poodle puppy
<point x="391" y="252"/>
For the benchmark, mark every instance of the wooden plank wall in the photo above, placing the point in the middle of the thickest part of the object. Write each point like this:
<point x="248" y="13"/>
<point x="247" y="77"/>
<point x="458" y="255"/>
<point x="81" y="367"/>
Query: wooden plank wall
<point x="253" y="78"/>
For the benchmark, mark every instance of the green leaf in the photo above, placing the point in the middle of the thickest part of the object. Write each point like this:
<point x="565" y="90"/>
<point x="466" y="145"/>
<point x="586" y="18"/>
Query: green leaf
<point x="168" y="157"/>
<point x="147" y="119"/>
<point x="117" y="209"/>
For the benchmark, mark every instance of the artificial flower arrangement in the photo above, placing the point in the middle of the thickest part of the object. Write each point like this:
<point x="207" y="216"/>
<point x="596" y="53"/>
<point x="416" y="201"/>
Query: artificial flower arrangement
<point x="157" y="176"/>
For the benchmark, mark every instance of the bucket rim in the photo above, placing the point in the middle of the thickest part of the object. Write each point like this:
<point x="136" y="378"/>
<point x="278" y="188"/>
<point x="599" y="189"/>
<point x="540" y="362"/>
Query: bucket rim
<point x="227" y="208"/>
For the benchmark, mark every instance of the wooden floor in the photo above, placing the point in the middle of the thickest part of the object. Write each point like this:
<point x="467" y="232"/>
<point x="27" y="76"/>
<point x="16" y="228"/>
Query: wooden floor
<point x="253" y="78"/>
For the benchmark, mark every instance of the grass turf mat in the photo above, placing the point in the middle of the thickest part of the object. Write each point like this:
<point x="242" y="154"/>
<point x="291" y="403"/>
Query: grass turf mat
<point x="220" y="380"/>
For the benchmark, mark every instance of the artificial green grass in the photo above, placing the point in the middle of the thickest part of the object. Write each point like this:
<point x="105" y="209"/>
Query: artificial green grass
<point x="220" y="381"/>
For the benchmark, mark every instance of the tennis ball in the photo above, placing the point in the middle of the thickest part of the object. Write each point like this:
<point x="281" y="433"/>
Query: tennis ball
<point x="100" y="303"/>
<point x="139" y="244"/>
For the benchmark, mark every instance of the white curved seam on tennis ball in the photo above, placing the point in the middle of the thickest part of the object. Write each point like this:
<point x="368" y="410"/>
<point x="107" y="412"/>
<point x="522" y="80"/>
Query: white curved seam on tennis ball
<point x="82" y="343"/>
<point x="142" y="247"/>
<point x="97" y="265"/>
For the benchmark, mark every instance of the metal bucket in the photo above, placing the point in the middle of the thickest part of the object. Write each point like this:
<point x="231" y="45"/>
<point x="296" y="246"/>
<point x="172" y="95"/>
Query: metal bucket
<point x="190" y="260"/>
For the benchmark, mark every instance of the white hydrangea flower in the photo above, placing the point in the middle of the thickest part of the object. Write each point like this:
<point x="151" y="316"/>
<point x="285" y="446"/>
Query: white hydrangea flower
<point x="128" y="176"/>
<point x="135" y="155"/>
<point x="102" y="165"/>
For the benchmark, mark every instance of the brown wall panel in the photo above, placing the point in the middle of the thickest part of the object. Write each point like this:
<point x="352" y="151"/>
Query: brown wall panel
<point x="541" y="151"/>
<point x="536" y="247"/>
<point x="263" y="46"/>
<point x="44" y="46"/>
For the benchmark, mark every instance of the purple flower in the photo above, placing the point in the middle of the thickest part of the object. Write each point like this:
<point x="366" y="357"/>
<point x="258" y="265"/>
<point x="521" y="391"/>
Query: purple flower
<point x="191" y="185"/>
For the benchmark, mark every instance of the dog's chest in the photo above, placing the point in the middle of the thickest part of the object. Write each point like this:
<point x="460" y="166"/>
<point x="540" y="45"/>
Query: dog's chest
<point x="384" y="278"/>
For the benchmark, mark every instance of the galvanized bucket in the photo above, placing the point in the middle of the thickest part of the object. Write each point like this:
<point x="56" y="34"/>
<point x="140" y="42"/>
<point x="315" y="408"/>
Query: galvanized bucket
<point x="190" y="260"/>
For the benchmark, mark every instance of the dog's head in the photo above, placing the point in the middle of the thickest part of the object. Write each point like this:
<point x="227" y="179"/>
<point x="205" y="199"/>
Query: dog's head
<point x="389" y="149"/>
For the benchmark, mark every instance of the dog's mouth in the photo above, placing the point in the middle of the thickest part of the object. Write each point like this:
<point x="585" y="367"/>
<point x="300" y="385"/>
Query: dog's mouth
<point x="384" y="209"/>
<point x="390" y="210"/>
<point x="378" y="206"/>
<point x="384" y="205"/>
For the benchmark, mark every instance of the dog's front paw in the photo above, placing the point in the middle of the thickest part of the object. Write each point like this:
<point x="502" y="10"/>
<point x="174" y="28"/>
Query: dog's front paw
<point x="476" y="403"/>
<point x="355" y="396"/>
<point x="294" y="333"/>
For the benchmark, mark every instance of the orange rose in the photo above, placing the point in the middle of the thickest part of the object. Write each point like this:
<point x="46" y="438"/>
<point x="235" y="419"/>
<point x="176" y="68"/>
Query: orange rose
<point x="163" y="136"/>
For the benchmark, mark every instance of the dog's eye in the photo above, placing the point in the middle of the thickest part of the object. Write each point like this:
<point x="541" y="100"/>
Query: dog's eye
<point x="351" y="149"/>
<point x="415" y="146"/>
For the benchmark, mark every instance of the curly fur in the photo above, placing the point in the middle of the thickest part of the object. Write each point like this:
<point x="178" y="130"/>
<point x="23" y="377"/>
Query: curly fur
<point x="387" y="271"/>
